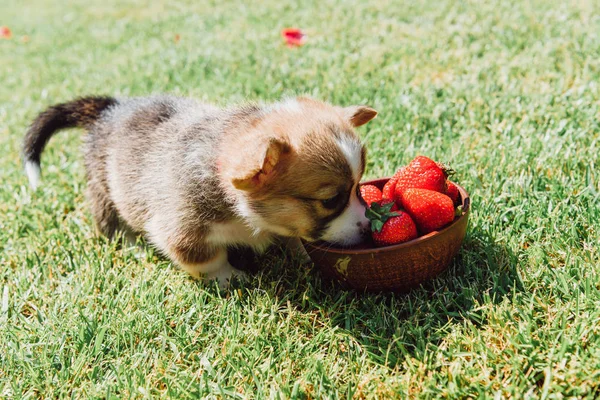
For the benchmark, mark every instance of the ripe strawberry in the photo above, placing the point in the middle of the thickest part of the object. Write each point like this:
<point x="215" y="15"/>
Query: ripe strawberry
<point x="421" y="173"/>
<point x="390" y="186"/>
<point x="452" y="192"/>
<point x="431" y="210"/>
<point x="370" y="193"/>
<point x="396" y="230"/>
<point x="390" y="227"/>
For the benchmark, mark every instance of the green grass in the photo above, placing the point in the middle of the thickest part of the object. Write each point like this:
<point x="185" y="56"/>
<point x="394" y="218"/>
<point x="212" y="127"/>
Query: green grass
<point x="507" y="92"/>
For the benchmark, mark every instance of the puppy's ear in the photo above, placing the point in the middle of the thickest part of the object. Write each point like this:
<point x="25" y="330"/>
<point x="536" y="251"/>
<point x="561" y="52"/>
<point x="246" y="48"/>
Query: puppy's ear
<point x="359" y="115"/>
<point x="263" y="169"/>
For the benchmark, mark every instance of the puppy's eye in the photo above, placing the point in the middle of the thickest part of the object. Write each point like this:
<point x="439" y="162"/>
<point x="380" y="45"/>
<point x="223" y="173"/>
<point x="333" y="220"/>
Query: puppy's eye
<point x="331" y="202"/>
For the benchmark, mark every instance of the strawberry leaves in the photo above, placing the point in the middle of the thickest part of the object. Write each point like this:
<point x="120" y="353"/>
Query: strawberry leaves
<point x="378" y="214"/>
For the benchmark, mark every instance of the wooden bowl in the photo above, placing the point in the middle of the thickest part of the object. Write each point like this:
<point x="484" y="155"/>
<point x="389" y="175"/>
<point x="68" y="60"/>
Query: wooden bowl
<point x="398" y="267"/>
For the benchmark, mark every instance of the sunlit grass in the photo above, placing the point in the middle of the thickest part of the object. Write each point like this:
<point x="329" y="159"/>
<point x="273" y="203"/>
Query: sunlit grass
<point x="506" y="92"/>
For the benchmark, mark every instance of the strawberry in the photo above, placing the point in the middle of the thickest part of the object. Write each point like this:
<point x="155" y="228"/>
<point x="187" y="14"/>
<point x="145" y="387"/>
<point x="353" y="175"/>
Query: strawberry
<point x="390" y="227"/>
<point x="421" y="173"/>
<point x="370" y="194"/>
<point x="390" y="186"/>
<point x="396" y="230"/>
<point x="452" y="192"/>
<point x="430" y="210"/>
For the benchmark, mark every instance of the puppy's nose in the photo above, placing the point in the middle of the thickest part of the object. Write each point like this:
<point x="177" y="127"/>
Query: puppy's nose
<point x="363" y="225"/>
<point x="364" y="229"/>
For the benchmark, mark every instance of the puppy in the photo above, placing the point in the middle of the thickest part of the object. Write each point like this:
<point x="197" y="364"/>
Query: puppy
<point x="196" y="180"/>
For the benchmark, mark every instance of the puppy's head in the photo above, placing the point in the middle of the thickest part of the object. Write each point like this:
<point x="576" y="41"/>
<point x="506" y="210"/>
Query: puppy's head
<point x="296" y="171"/>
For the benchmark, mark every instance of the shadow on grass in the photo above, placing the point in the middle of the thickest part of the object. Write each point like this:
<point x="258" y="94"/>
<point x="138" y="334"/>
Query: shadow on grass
<point x="393" y="326"/>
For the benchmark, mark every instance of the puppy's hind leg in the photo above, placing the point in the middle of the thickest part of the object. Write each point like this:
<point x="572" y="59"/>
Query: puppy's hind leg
<point x="103" y="209"/>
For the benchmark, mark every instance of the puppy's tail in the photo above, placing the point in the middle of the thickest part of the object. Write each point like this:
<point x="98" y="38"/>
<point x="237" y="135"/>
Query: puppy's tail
<point x="82" y="113"/>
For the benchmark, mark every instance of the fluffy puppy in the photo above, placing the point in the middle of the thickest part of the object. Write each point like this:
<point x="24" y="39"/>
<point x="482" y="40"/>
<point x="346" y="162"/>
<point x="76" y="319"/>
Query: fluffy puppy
<point x="196" y="180"/>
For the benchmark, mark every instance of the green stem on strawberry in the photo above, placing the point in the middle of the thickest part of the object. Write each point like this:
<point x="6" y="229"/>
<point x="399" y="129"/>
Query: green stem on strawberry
<point x="448" y="171"/>
<point x="378" y="215"/>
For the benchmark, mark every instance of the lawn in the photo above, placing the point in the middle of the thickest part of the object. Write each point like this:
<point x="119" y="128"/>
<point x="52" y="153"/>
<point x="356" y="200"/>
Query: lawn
<point x="506" y="92"/>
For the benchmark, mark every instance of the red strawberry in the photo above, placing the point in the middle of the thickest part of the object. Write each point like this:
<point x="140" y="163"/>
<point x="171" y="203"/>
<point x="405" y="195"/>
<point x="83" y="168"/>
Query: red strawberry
<point x="431" y="210"/>
<point x="421" y="173"/>
<point x="390" y="186"/>
<point x="452" y="192"/>
<point x="370" y="194"/>
<point x="390" y="227"/>
<point x="396" y="230"/>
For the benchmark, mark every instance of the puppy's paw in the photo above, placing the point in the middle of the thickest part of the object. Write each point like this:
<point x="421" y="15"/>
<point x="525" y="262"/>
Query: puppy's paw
<point x="225" y="275"/>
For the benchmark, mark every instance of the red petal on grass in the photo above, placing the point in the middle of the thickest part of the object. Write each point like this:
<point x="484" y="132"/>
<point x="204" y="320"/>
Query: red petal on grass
<point x="5" y="32"/>
<point x="293" y="37"/>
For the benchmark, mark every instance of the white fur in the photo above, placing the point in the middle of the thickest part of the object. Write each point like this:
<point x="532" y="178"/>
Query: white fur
<point x="157" y="231"/>
<point x="352" y="150"/>
<point x="33" y="173"/>
<point x="348" y="227"/>
<point x="224" y="275"/>
<point x="290" y="105"/>
<point x="242" y="207"/>
<point x="225" y="234"/>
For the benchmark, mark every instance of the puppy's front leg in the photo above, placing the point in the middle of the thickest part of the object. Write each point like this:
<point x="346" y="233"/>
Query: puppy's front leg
<point x="208" y="266"/>
<point x="295" y="247"/>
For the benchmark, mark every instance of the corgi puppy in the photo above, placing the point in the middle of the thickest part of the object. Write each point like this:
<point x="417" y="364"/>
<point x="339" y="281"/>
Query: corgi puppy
<point x="196" y="180"/>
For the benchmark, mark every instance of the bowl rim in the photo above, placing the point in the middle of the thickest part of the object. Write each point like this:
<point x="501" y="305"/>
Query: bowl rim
<point x="466" y="203"/>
